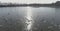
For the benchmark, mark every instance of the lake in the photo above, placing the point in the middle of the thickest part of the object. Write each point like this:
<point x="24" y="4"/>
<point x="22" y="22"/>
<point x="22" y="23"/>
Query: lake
<point x="29" y="19"/>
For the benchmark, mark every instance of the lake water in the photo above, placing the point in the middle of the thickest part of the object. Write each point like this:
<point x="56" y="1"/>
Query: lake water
<point x="29" y="19"/>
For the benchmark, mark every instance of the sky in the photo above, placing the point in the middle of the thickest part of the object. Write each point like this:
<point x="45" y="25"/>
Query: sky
<point x="29" y="1"/>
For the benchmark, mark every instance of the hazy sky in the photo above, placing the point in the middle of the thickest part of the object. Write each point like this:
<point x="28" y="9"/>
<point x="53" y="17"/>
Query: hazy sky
<point x="29" y="1"/>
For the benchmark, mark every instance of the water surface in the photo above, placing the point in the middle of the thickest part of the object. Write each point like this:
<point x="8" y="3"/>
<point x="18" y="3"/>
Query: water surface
<point x="29" y="19"/>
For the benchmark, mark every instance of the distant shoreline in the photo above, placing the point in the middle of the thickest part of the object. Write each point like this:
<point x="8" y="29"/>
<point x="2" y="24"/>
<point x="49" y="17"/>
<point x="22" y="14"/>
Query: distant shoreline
<point x="57" y="4"/>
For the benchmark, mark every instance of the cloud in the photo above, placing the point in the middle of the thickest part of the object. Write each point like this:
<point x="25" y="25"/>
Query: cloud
<point x="29" y="1"/>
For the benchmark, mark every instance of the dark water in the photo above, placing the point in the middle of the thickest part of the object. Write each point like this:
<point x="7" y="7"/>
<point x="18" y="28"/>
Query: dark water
<point x="29" y="19"/>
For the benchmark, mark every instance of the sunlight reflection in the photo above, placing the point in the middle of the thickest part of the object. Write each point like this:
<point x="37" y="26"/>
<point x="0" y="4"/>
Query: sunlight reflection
<point x="29" y="19"/>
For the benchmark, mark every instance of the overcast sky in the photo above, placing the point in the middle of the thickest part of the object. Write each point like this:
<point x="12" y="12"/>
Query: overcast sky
<point x="29" y="1"/>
